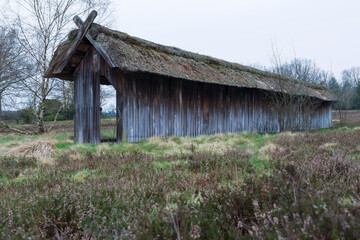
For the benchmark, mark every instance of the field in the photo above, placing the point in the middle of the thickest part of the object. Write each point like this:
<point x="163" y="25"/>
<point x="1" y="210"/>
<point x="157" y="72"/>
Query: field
<point x="352" y="118"/>
<point x="302" y="185"/>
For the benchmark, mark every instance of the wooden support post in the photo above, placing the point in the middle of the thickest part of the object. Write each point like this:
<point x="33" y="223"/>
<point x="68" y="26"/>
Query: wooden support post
<point x="87" y="99"/>
<point x="117" y="79"/>
<point x="119" y="116"/>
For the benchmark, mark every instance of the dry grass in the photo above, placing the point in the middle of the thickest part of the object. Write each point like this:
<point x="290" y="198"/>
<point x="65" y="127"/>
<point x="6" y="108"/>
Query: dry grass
<point x="311" y="189"/>
<point x="329" y="145"/>
<point x="259" y="186"/>
<point x="267" y="150"/>
<point x="40" y="150"/>
<point x="216" y="144"/>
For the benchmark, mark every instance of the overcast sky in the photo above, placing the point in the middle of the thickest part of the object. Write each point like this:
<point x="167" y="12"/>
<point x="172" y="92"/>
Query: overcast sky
<point x="242" y="31"/>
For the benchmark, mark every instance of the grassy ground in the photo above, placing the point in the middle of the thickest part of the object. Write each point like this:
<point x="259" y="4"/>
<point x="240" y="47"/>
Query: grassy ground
<point x="352" y="118"/>
<point x="288" y="185"/>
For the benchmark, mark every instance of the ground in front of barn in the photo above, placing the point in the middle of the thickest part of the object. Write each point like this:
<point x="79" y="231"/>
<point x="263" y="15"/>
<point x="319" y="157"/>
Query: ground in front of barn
<point x="249" y="185"/>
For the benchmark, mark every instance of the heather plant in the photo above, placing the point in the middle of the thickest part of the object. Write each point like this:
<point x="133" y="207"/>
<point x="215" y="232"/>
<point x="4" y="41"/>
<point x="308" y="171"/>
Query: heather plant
<point x="285" y="186"/>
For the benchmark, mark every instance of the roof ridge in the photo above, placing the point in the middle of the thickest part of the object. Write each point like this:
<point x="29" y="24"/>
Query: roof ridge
<point x="118" y="35"/>
<point x="133" y="54"/>
<point x="96" y="29"/>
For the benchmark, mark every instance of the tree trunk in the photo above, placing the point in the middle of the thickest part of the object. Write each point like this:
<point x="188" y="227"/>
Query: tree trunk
<point x="0" y="105"/>
<point x="41" y="127"/>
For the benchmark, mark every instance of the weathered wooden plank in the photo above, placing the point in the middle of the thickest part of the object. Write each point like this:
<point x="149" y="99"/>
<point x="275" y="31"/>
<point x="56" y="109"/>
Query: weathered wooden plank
<point x="157" y="108"/>
<point x="95" y="106"/>
<point x="212" y="101"/>
<point x="150" y="130"/>
<point x="206" y="109"/>
<point x="144" y="122"/>
<point x="173" y="97"/>
<point x="119" y="108"/>
<point x="126" y="109"/>
<point x="162" y="109"/>
<point x="87" y="99"/>
<point x="168" y="107"/>
<point x="227" y="111"/>
<point x="135" y="112"/>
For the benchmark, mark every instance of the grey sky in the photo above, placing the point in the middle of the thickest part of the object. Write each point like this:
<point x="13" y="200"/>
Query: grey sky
<point x="242" y="31"/>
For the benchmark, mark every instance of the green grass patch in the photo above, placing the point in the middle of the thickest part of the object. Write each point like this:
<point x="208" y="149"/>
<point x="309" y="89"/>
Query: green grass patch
<point x="8" y="139"/>
<point x="108" y="134"/>
<point x="63" y="146"/>
<point x="64" y="136"/>
<point x="83" y="175"/>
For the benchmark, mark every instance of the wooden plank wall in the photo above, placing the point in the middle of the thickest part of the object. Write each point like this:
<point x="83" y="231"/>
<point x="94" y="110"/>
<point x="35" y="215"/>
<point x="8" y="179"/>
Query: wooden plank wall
<point x="154" y="106"/>
<point x="87" y="99"/>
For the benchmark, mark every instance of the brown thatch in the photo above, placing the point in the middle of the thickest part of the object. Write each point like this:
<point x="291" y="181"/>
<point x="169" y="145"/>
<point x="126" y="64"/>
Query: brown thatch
<point x="131" y="54"/>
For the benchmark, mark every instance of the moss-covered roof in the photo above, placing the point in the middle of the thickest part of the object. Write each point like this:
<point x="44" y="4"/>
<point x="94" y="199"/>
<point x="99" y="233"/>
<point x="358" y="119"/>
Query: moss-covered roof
<point x="131" y="54"/>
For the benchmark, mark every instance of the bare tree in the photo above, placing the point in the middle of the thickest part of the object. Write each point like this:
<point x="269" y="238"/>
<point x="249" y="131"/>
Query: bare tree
<point x="13" y="66"/>
<point x="345" y="104"/>
<point x="292" y="108"/>
<point x="106" y="93"/>
<point x="42" y="26"/>
<point x="350" y="80"/>
<point x="291" y="105"/>
<point x="352" y="75"/>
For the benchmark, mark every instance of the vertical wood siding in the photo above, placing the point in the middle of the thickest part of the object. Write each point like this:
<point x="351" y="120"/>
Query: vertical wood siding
<point x="154" y="106"/>
<point x="87" y="99"/>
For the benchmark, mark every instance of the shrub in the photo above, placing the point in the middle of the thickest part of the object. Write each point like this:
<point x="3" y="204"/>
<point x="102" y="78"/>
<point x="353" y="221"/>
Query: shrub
<point x="310" y="191"/>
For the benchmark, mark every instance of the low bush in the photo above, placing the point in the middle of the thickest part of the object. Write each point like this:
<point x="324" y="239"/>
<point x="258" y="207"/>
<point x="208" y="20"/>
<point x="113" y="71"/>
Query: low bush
<point x="308" y="188"/>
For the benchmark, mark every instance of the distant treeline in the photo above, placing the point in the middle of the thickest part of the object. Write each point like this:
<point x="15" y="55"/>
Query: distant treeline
<point x="348" y="90"/>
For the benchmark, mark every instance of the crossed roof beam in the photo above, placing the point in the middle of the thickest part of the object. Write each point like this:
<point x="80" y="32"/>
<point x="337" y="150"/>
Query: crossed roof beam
<point x="83" y="32"/>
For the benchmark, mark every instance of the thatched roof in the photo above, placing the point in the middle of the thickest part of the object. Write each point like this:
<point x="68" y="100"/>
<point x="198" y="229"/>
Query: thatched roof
<point x="131" y="54"/>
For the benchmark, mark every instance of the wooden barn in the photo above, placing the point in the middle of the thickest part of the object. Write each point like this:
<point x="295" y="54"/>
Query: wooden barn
<point x="165" y="91"/>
